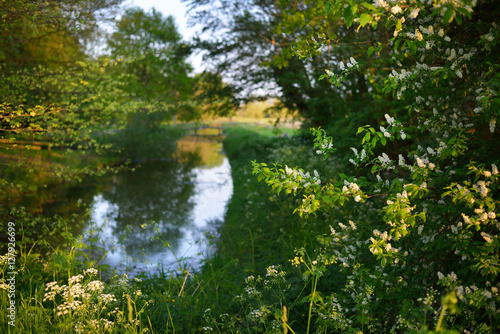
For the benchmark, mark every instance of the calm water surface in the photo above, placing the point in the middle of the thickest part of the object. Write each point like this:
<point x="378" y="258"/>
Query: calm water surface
<point x="158" y="214"/>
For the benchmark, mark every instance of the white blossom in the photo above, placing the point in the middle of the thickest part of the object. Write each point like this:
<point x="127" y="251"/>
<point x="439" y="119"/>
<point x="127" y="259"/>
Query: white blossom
<point x="493" y="122"/>
<point x="380" y="3"/>
<point x="396" y="10"/>
<point x="414" y="13"/>
<point x="494" y="169"/>
<point x="486" y="237"/>
<point x="389" y="119"/>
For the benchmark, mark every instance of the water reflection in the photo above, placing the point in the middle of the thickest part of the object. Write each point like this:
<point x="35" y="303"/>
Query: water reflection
<point x="138" y="212"/>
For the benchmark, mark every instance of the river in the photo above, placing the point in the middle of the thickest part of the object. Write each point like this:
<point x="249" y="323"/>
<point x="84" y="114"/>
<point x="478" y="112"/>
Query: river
<point x="160" y="215"/>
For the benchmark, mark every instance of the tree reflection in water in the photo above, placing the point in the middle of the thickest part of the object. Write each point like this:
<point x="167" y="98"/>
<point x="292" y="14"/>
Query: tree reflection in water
<point x="154" y="204"/>
<point x="151" y="201"/>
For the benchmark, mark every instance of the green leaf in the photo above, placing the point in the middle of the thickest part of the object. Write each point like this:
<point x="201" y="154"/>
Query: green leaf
<point x="413" y="47"/>
<point x="448" y="15"/>
<point x="348" y="16"/>
<point x="369" y="6"/>
<point x="370" y="50"/>
<point x="328" y="7"/>
<point x="398" y="25"/>
<point x="364" y="19"/>
<point x="464" y="11"/>
<point x="366" y="138"/>
<point x="383" y="141"/>
<point x="327" y="199"/>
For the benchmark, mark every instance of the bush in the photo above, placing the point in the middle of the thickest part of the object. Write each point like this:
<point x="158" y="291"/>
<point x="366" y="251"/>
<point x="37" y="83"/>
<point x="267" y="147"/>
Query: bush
<point x="419" y="250"/>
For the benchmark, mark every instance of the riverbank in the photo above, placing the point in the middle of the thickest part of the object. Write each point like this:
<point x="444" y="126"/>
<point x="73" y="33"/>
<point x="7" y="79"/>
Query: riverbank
<point x="250" y="252"/>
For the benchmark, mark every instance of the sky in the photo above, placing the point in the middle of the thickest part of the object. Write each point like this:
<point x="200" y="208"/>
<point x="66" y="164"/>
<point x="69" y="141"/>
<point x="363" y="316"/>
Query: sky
<point x="178" y="10"/>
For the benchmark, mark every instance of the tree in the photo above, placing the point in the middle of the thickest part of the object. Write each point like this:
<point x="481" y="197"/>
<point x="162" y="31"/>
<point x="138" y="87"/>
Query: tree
<point x="255" y="44"/>
<point x="44" y="75"/>
<point x="213" y="95"/>
<point x="154" y="63"/>
<point x="44" y="69"/>
<point x="419" y="244"/>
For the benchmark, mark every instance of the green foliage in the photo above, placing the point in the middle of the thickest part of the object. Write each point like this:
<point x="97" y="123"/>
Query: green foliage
<point x="154" y="57"/>
<point x="429" y="223"/>
<point x="213" y="95"/>
<point x="401" y="235"/>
